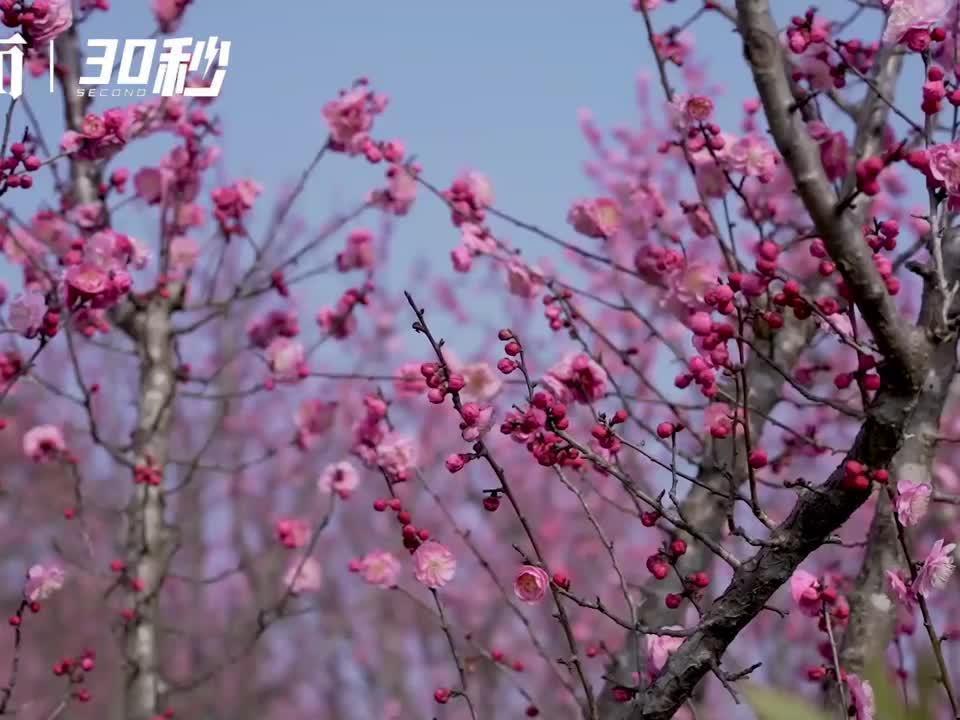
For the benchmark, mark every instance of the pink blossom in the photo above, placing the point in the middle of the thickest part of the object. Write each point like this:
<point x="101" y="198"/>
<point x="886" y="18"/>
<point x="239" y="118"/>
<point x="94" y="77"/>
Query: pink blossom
<point x="944" y="163"/>
<point x="597" y="218"/>
<point x="861" y="693"/>
<point x="936" y="570"/>
<point x="907" y="15"/>
<point x="482" y="382"/>
<point x="531" y="584"/>
<point x="913" y="498"/>
<point x="397" y="455"/>
<point x="26" y="312"/>
<point x="805" y="590"/>
<point x="900" y="589"/>
<point x="350" y="118"/>
<point x="753" y="157"/>
<point x="151" y="184"/>
<point x="303" y="576"/>
<point x="660" y="648"/>
<point x="381" y="569"/>
<point x="43" y="443"/>
<point x="313" y="418"/>
<point x="410" y="380"/>
<point x="42" y="582"/>
<point x="477" y="420"/>
<point x="286" y="358"/>
<point x="577" y="377"/>
<point x="358" y="253"/>
<point x="341" y="477"/>
<point x="292" y="533"/>
<point x="523" y="281"/>
<point x="56" y="21"/>
<point x="184" y="251"/>
<point x="434" y="564"/>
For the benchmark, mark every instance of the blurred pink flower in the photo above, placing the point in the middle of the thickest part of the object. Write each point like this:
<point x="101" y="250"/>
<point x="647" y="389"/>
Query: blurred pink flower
<point x="659" y="649"/>
<point x="900" y="589"/>
<point x="906" y="15"/>
<point x="861" y="693"/>
<point x="913" y="498"/>
<point x="341" y="478"/>
<point x="303" y="576"/>
<point x="184" y="251"/>
<point x="381" y="569"/>
<point x="483" y="383"/>
<point x="56" y="21"/>
<point x="805" y="591"/>
<point x="286" y="358"/>
<point x="43" y="443"/>
<point x="531" y="584"/>
<point x="577" y="377"/>
<point x="397" y="455"/>
<point x="434" y="564"/>
<point x="26" y="312"/>
<point x="168" y="13"/>
<point x="936" y="570"/>
<point x="42" y="582"/>
<point x="596" y="218"/>
<point x="313" y="418"/>
<point x="292" y="532"/>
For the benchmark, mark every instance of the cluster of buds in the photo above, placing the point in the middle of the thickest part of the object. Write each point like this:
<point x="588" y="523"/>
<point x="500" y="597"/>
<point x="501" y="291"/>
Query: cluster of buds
<point x="553" y="310"/>
<point x="603" y="431"/>
<point x="21" y="153"/>
<point x="857" y="476"/>
<point x="790" y="297"/>
<point x="376" y="151"/>
<point x="803" y="32"/>
<point x="124" y="578"/>
<point x="868" y="170"/>
<point x="512" y="348"/>
<point x="883" y="235"/>
<point x="704" y="134"/>
<point x="440" y="381"/>
<point x="659" y="566"/>
<point x="700" y="371"/>
<point x="499" y="657"/>
<point x="277" y="323"/>
<point x="863" y="375"/>
<point x="291" y="533"/>
<point x="147" y="473"/>
<point x="533" y="427"/>
<point x="412" y="535"/>
<point x="75" y="669"/>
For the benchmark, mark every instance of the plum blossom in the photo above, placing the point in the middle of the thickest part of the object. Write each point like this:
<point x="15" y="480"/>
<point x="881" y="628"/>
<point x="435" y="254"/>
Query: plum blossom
<point x="900" y="588"/>
<point x="434" y="564"/>
<point x="907" y="15"/>
<point x="184" y="251"/>
<point x="42" y="582"/>
<point x="292" y="533"/>
<point x="531" y="584"/>
<point x="753" y="157"/>
<point x="477" y="420"/>
<point x="350" y="118"/>
<point x="397" y="455"/>
<point x="805" y="591"/>
<point x="577" y="377"/>
<point x="913" y="498"/>
<point x="660" y="648"/>
<point x="381" y="569"/>
<point x="287" y="358"/>
<point x="169" y="13"/>
<point x="313" y="418"/>
<point x="57" y="20"/>
<point x="596" y="218"/>
<point x="26" y="312"/>
<point x="152" y="183"/>
<point x="410" y="380"/>
<point x="43" y="443"/>
<point x="482" y="383"/>
<point x="944" y="164"/>
<point x="303" y="576"/>
<point x="936" y="570"/>
<point x="523" y="281"/>
<point x="359" y="252"/>
<point x="861" y="694"/>
<point x="341" y="478"/>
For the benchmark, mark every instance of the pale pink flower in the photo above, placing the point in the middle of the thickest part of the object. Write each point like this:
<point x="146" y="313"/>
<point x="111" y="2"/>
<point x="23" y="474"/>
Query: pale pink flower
<point x="577" y="377"/>
<point x="531" y="584"/>
<point x="87" y="281"/>
<point x="936" y="570"/>
<point x="410" y="380"/>
<point x="900" y="589"/>
<point x="56" y="21"/>
<point x="341" y="478"/>
<point x="397" y="455"/>
<point x="434" y="564"/>
<point x="313" y="418"/>
<point x="913" y="498"/>
<point x="26" y="312"/>
<point x="753" y="157"/>
<point x="42" y="582"/>
<point x="805" y="591"/>
<point x="861" y="693"/>
<point x="483" y="383"/>
<point x="350" y="118"/>
<point x="380" y="568"/>
<point x="523" y="281"/>
<point x="907" y="15"/>
<point x="660" y="648"/>
<point x="687" y="110"/>
<point x="151" y="184"/>
<point x="945" y="165"/>
<point x="303" y="576"/>
<point x="286" y="358"/>
<point x="596" y="218"/>
<point x="477" y="420"/>
<point x="43" y="443"/>
<point x="184" y="251"/>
